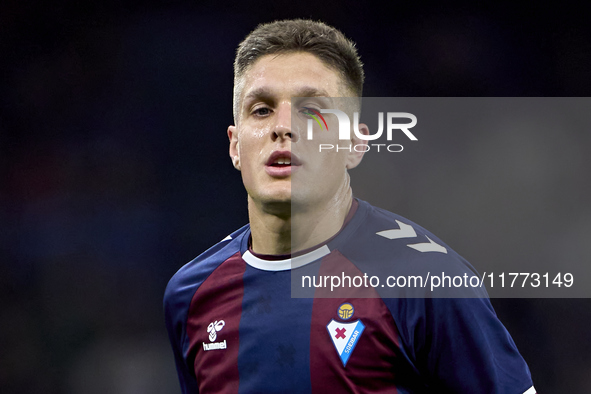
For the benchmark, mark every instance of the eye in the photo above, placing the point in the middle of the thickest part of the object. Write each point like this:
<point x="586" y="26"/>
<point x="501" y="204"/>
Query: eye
<point x="308" y="111"/>
<point x="262" y="111"/>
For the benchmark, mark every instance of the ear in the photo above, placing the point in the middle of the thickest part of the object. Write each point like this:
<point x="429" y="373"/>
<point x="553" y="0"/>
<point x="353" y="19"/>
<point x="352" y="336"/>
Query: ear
<point x="234" y="149"/>
<point x="359" y="147"/>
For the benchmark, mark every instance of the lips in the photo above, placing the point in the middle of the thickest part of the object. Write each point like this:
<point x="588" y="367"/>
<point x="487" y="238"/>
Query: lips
<point x="281" y="164"/>
<point x="282" y="158"/>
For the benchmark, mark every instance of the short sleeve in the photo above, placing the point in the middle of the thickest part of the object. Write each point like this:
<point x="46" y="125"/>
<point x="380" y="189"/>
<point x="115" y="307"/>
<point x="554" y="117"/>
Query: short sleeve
<point x="466" y="349"/>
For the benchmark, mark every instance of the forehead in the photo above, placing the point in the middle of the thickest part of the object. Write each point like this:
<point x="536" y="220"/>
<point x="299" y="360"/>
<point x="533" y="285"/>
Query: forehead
<point x="291" y="75"/>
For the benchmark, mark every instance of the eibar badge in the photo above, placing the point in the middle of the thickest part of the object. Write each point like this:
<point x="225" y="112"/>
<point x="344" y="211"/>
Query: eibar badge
<point x="345" y="335"/>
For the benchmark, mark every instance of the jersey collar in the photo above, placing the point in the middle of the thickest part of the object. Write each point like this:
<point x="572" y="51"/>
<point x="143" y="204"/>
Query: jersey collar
<point x="285" y="264"/>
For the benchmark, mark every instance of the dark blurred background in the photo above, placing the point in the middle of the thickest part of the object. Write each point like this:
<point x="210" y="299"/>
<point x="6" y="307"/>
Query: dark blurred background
<point x="114" y="169"/>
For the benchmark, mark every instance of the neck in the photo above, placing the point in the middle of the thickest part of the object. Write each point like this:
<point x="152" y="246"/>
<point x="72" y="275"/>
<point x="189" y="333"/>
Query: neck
<point x="288" y="228"/>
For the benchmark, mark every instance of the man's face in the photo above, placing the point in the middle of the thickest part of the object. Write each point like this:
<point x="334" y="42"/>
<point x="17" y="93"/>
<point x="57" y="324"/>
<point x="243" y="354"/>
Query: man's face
<point x="278" y="163"/>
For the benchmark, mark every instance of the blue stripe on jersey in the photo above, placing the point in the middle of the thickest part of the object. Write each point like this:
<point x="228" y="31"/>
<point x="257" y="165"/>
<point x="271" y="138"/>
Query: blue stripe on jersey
<point x="273" y="353"/>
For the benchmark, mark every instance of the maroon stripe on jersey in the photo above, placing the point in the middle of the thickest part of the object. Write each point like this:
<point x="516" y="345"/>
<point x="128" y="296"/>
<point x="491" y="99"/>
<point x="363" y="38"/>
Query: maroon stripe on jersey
<point x="213" y="344"/>
<point x="371" y="366"/>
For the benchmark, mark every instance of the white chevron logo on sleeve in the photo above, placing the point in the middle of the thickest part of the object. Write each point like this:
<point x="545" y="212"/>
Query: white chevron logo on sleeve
<point x="428" y="247"/>
<point x="405" y="231"/>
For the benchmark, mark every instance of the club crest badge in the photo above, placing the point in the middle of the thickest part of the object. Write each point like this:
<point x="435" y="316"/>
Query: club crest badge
<point x="345" y="336"/>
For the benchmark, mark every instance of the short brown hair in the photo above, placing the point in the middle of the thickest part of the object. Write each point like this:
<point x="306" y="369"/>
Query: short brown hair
<point x="300" y="35"/>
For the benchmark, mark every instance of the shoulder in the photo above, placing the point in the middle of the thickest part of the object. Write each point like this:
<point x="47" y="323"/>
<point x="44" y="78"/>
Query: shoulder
<point x="186" y="281"/>
<point x="381" y="226"/>
<point x="388" y="243"/>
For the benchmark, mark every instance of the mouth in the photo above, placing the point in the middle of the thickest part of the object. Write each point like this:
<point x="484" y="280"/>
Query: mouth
<point x="281" y="164"/>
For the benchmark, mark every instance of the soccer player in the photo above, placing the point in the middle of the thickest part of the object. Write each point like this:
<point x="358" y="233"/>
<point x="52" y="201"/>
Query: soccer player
<point x="231" y="318"/>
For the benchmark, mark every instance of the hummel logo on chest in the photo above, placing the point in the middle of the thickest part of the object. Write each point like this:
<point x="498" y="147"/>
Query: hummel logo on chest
<point x="213" y="329"/>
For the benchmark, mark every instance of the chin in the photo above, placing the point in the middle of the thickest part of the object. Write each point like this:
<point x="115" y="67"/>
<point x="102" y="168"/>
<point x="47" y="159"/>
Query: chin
<point x="282" y="196"/>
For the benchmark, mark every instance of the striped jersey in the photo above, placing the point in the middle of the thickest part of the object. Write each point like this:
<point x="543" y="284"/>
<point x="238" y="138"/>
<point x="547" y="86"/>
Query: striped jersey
<point x="357" y="314"/>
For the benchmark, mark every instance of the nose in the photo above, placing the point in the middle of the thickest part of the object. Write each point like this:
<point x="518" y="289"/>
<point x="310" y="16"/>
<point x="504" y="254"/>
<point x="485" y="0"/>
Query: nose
<point x="282" y="128"/>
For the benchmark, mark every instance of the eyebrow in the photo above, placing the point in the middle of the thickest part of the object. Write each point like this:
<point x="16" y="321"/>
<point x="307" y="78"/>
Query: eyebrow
<point x="309" y="91"/>
<point x="262" y="93"/>
<point x="266" y="93"/>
